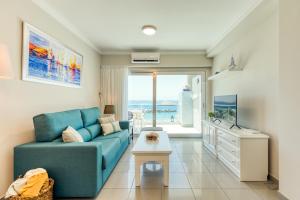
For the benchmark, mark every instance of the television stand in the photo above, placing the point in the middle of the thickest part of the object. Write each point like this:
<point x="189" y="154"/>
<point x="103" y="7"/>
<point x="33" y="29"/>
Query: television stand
<point x="235" y="125"/>
<point x="238" y="149"/>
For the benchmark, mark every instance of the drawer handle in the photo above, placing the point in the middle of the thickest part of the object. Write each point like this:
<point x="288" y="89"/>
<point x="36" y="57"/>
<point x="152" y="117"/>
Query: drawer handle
<point x="234" y="141"/>
<point x="232" y="151"/>
<point x="232" y="161"/>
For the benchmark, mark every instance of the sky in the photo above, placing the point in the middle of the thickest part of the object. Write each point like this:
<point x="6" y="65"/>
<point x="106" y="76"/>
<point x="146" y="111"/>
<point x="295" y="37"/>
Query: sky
<point x="168" y="87"/>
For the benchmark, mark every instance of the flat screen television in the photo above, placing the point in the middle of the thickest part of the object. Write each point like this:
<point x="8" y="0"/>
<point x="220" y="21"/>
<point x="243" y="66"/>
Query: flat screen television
<point x="225" y="108"/>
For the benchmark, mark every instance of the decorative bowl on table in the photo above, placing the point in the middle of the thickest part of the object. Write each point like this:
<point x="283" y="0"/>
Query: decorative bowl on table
<point x="152" y="136"/>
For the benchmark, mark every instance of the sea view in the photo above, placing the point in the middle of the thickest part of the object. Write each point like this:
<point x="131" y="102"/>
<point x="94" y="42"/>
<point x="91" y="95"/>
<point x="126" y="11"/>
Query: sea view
<point x="166" y="110"/>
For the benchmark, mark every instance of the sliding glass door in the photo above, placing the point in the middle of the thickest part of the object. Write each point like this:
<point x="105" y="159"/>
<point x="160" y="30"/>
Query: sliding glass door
<point x="171" y="101"/>
<point x="140" y="104"/>
<point x="168" y="90"/>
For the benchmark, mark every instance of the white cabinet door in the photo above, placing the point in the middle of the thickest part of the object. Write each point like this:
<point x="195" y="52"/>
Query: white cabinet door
<point x="205" y="133"/>
<point x="212" y="139"/>
<point x="212" y="136"/>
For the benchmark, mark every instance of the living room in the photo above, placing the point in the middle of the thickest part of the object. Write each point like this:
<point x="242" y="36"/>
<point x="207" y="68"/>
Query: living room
<point x="78" y="67"/>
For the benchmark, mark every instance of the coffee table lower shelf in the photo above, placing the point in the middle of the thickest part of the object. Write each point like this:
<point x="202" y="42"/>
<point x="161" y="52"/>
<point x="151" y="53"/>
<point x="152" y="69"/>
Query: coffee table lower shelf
<point x="140" y="159"/>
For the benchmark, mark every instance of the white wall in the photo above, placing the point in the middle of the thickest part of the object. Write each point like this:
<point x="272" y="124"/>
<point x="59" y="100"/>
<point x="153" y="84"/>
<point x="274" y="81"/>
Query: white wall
<point x="20" y="100"/>
<point x="254" y="43"/>
<point x="289" y="95"/>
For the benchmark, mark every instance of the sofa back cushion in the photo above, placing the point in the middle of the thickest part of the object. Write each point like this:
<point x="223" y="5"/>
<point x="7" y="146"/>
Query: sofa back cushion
<point x="50" y="126"/>
<point x="90" y="121"/>
<point x="85" y="134"/>
<point x="90" y="116"/>
<point x="94" y="130"/>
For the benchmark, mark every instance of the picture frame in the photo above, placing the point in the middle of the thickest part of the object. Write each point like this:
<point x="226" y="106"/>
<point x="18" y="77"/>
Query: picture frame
<point x="46" y="60"/>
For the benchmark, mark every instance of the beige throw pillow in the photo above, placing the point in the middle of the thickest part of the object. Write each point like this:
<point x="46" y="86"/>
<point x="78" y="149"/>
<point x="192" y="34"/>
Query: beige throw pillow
<point x="108" y="119"/>
<point x="71" y="135"/>
<point x="111" y="127"/>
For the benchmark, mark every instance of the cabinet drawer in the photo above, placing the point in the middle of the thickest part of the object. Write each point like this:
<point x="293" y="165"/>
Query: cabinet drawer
<point x="234" y="150"/>
<point x="234" y="162"/>
<point x="229" y="138"/>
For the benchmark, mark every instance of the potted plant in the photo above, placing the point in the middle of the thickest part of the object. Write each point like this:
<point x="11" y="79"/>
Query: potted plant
<point x="211" y="115"/>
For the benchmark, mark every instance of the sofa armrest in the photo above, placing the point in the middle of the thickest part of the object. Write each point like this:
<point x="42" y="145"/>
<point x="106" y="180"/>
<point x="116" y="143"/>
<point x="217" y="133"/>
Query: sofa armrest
<point x="75" y="167"/>
<point x="124" y="124"/>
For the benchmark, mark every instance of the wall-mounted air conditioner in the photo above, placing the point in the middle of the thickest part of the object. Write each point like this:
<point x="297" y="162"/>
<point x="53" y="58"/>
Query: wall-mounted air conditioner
<point x="145" y="58"/>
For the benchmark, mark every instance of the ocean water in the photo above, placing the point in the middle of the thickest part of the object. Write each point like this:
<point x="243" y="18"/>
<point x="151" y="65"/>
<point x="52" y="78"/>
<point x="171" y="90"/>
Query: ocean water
<point x="165" y="112"/>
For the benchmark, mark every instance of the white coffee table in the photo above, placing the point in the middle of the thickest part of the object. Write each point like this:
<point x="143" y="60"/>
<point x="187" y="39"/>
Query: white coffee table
<point x="145" y="151"/>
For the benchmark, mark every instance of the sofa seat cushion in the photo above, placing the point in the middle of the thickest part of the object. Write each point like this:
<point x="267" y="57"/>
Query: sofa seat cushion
<point x="58" y="140"/>
<point x="110" y="151"/>
<point x="122" y="135"/>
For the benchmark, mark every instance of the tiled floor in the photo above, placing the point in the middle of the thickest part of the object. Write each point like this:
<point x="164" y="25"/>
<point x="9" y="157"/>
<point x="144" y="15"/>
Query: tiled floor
<point x="178" y="129"/>
<point x="194" y="174"/>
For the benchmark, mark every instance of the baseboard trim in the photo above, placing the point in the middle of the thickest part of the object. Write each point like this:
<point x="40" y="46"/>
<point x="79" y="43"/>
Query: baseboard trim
<point x="281" y="196"/>
<point x="276" y="181"/>
<point x="272" y="178"/>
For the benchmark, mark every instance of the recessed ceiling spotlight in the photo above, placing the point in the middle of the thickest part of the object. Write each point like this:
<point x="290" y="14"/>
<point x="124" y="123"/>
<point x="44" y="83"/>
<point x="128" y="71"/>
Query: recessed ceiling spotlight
<point x="149" y="29"/>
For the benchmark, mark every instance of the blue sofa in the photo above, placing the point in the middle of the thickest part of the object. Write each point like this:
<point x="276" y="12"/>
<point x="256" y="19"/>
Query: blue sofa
<point x="79" y="169"/>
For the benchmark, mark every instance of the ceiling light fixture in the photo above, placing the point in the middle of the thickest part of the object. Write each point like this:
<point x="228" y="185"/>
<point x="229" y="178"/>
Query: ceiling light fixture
<point x="149" y="30"/>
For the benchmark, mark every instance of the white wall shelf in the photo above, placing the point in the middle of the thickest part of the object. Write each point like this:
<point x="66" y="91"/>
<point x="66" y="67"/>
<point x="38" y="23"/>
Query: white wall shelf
<point x="224" y="72"/>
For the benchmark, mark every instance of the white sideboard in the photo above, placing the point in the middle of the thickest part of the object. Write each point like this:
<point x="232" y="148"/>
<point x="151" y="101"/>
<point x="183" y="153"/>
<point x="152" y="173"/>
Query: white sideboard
<point x="243" y="151"/>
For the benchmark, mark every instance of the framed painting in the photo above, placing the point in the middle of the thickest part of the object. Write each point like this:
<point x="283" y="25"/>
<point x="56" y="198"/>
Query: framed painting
<point x="46" y="60"/>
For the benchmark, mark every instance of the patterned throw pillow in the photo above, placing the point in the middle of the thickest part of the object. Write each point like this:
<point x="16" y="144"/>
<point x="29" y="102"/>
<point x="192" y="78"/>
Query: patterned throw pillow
<point x="71" y="135"/>
<point x="110" y="127"/>
<point x="108" y="119"/>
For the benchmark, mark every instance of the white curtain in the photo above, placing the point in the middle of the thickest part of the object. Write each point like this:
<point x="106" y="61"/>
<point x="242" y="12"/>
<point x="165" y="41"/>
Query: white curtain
<point x="114" y="89"/>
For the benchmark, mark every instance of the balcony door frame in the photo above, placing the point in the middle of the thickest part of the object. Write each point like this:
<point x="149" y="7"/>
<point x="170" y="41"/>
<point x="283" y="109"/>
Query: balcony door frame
<point x="155" y="71"/>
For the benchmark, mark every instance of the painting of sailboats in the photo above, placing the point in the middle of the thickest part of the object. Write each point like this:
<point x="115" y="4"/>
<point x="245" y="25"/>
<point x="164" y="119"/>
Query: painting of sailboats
<point x="46" y="60"/>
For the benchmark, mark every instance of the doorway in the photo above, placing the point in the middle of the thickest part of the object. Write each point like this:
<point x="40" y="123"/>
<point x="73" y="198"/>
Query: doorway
<point x="173" y="101"/>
